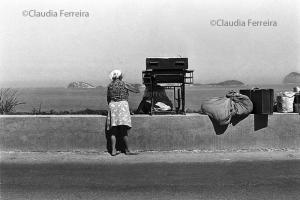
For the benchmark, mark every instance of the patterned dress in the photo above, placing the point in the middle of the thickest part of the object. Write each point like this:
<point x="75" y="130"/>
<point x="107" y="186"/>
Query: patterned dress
<point x="117" y="98"/>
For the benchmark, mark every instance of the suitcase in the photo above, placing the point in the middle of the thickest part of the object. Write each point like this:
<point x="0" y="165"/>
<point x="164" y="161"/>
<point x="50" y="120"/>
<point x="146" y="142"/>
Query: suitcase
<point x="297" y="103"/>
<point x="163" y="76"/>
<point x="262" y="99"/>
<point x="166" y="63"/>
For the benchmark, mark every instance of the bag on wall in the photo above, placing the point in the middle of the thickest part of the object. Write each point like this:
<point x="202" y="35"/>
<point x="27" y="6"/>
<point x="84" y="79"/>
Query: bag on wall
<point x="285" y="101"/>
<point x="241" y="103"/>
<point x="218" y="108"/>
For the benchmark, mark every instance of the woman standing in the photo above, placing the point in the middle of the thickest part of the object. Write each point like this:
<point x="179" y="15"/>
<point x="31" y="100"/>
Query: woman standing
<point x="118" y="119"/>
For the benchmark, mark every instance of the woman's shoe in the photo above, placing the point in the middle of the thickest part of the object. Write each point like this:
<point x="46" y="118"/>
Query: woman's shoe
<point x="114" y="153"/>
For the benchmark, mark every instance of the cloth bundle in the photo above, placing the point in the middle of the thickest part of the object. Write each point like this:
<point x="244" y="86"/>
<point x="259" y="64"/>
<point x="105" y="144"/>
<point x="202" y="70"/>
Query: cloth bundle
<point x="285" y="101"/>
<point x="242" y="103"/>
<point x="160" y="106"/>
<point x="219" y="109"/>
<point x="222" y="109"/>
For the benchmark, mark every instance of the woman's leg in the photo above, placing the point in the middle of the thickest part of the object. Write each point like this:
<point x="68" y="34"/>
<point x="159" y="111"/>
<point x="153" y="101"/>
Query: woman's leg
<point x="126" y="142"/>
<point x="113" y="145"/>
<point x="113" y="141"/>
<point x="126" y="131"/>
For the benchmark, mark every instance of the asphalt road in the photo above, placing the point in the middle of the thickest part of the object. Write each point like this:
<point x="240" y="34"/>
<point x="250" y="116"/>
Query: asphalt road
<point x="136" y="178"/>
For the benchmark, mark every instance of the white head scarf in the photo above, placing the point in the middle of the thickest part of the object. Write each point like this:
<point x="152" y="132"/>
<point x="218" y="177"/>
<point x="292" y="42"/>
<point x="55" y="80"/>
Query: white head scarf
<point x="115" y="74"/>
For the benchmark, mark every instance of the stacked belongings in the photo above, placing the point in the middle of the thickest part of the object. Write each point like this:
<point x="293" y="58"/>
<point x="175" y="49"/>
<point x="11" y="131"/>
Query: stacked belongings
<point x="285" y="101"/>
<point x="243" y="106"/>
<point x="220" y="109"/>
<point x="297" y="100"/>
<point x="160" y="99"/>
<point x="223" y="110"/>
<point x="262" y="99"/>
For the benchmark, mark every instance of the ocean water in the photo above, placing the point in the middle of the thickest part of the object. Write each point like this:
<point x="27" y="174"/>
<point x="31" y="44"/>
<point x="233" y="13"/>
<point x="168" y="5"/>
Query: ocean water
<point x="63" y="99"/>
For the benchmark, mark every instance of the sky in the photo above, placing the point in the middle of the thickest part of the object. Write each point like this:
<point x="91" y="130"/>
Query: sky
<point x="121" y="34"/>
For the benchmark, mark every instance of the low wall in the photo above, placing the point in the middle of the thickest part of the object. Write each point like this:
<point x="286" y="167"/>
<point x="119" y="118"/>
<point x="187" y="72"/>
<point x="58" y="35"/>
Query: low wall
<point x="172" y="132"/>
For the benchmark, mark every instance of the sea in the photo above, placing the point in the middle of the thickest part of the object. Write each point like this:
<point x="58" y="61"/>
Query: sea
<point x="65" y="99"/>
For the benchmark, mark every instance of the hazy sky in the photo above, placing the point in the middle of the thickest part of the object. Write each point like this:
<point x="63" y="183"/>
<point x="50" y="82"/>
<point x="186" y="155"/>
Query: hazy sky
<point x="53" y="51"/>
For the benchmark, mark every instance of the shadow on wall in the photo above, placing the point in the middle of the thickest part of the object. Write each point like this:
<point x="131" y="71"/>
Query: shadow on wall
<point x="219" y="129"/>
<point x="260" y="122"/>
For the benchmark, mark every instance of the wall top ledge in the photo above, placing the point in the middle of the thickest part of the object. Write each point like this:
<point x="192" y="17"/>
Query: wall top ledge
<point x="91" y="116"/>
<point x="102" y="116"/>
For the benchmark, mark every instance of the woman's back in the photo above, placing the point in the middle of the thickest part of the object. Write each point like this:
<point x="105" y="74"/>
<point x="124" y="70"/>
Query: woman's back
<point x="117" y="91"/>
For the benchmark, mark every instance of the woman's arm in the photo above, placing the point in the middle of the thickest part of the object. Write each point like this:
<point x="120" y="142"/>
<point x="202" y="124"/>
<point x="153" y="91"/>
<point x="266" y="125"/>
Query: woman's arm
<point x="131" y="88"/>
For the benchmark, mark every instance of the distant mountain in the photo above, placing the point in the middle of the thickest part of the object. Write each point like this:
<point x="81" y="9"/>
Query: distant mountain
<point x="80" y="84"/>
<point x="228" y="83"/>
<point x="197" y="84"/>
<point x="292" y="77"/>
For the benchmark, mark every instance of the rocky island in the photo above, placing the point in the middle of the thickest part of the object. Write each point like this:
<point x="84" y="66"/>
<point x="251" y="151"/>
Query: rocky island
<point x="292" y="77"/>
<point x="228" y="83"/>
<point x="80" y="84"/>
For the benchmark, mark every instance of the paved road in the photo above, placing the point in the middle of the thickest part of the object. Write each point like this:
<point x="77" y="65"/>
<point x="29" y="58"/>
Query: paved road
<point x="151" y="176"/>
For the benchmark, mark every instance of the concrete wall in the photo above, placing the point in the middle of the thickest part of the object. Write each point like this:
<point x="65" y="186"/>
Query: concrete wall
<point x="177" y="132"/>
